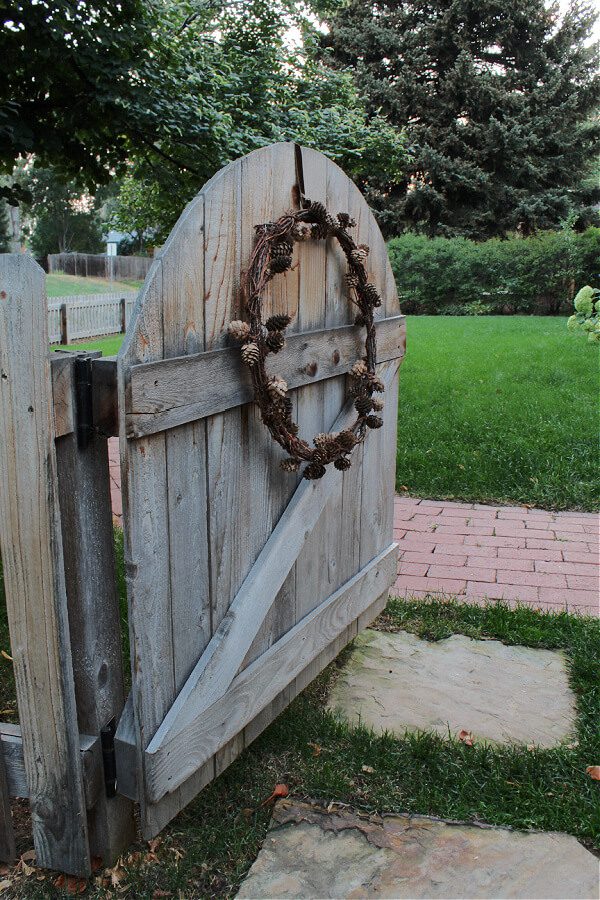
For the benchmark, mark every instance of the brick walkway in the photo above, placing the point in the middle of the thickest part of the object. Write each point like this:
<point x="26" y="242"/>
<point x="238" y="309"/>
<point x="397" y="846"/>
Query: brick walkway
<point x="547" y="560"/>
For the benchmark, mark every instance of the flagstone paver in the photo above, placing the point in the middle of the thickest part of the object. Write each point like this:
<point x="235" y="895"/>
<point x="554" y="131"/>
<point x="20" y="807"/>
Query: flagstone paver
<point x="397" y="681"/>
<point x="548" y="560"/>
<point x="476" y="551"/>
<point x="311" y="853"/>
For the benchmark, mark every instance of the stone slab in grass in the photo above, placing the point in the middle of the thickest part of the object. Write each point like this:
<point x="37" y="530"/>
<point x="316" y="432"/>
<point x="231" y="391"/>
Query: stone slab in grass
<point x="396" y="681"/>
<point x="310" y="853"/>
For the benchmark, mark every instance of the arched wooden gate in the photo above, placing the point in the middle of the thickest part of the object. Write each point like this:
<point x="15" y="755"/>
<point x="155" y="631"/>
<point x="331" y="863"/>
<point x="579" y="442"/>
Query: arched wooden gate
<point x="243" y="581"/>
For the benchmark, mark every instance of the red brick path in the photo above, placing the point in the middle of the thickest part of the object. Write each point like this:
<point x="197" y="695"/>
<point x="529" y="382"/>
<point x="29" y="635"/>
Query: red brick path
<point x="544" y="559"/>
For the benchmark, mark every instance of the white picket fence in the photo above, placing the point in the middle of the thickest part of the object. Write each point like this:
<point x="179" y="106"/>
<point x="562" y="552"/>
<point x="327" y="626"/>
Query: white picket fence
<point x="88" y="315"/>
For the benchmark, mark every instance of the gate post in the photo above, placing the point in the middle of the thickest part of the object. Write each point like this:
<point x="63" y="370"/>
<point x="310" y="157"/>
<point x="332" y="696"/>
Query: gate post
<point x="93" y="602"/>
<point x="31" y="543"/>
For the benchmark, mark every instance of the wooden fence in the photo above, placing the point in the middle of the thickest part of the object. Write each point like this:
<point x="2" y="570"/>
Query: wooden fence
<point x="88" y="315"/>
<point x="243" y="581"/>
<point x="99" y="265"/>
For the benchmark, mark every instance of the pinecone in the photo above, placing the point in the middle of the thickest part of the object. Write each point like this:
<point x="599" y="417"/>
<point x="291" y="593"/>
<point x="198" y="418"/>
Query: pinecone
<point x="358" y="256"/>
<point x="359" y="369"/>
<point x="282" y="248"/>
<point x="288" y="406"/>
<point x="352" y="280"/>
<point x="277" y="387"/>
<point x="277" y="323"/>
<point x="377" y="404"/>
<point x="319" y="231"/>
<point x="314" y="470"/>
<point x="238" y="330"/>
<point x="346" y="221"/>
<point x="293" y="427"/>
<point x="342" y="463"/>
<point x="317" y="211"/>
<point x="374" y="421"/>
<point x="275" y="341"/>
<point x="346" y="439"/>
<point x="371" y="294"/>
<point x="363" y="405"/>
<point x="377" y="384"/>
<point x="290" y="464"/>
<point x="322" y="440"/>
<point x="301" y="231"/>
<point x="280" y="264"/>
<point x="250" y="353"/>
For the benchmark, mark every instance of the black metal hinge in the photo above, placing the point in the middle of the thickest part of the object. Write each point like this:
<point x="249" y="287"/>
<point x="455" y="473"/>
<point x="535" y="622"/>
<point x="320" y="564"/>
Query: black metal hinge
<point x="84" y="416"/>
<point x="107" y="742"/>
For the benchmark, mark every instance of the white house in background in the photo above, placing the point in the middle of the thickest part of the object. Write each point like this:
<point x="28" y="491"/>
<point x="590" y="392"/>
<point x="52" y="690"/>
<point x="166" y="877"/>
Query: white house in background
<point x="113" y="239"/>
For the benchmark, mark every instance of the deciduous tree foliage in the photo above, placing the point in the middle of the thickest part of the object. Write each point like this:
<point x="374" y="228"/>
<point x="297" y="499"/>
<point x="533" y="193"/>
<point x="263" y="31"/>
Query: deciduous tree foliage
<point x="169" y="91"/>
<point x="497" y="98"/>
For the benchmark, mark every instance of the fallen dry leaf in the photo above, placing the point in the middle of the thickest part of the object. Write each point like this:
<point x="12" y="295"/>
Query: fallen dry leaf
<point x="4" y="884"/>
<point x="466" y="737"/>
<point x="96" y="864"/>
<point x="76" y="885"/>
<point x="247" y="812"/>
<point x="28" y="856"/>
<point x="316" y="748"/>
<point x="573" y="745"/>
<point x="154" y="844"/>
<point x="368" y="769"/>
<point x="6" y="655"/>
<point x="281" y="790"/>
<point x="593" y="772"/>
<point x="403" y="487"/>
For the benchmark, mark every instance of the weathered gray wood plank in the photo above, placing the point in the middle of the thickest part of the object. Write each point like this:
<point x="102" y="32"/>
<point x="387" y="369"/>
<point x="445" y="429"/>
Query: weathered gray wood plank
<point x="259" y="684"/>
<point x="94" y="617"/>
<point x="172" y="392"/>
<point x="30" y="538"/>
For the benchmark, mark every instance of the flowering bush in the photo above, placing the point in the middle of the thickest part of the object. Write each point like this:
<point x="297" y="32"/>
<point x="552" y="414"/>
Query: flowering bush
<point x="587" y="313"/>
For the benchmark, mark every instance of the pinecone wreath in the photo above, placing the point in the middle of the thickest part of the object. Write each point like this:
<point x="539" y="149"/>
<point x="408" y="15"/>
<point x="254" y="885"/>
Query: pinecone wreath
<point x="272" y="254"/>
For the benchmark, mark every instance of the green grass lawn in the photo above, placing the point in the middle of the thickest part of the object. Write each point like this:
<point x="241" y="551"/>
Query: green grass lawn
<point x="499" y="409"/>
<point x="60" y="285"/>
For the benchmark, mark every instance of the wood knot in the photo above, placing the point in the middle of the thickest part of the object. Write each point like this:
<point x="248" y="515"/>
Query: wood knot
<point x="311" y="369"/>
<point x="336" y="357"/>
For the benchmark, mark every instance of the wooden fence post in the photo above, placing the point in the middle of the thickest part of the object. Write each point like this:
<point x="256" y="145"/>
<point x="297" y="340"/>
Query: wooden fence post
<point x="123" y="308"/>
<point x="64" y="325"/>
<point x="94" y="619"/>
<point x="31" y="543"/>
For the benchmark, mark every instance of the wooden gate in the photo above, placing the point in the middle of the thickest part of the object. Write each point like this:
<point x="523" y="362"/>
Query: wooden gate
<point x="243" y="581"/>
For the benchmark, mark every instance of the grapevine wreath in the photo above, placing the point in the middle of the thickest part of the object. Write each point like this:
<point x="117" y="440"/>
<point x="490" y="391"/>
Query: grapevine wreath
<point x="273" y="254"/>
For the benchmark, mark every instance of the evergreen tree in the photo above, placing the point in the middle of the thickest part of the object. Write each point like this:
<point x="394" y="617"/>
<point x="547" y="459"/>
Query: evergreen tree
<point x="499" y="101"/>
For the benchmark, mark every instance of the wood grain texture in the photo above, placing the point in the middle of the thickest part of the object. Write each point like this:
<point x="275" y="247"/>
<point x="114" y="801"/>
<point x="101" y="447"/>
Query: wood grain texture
<point x="261" y="682"/>
<point x="30" y="538"/>
<point x="172" y="392"/>
<point x="94" y="618"/>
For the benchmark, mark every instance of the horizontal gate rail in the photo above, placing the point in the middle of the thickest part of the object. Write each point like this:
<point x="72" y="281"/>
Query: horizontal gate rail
<point x="11" y="743"/>
<point x="171" y="392"/>
<point x="170" y="761"/>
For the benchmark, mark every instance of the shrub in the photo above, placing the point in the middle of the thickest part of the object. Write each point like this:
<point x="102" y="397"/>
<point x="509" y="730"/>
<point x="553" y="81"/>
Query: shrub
<point x="457" y="276"/>
<point x="587" y="313"/>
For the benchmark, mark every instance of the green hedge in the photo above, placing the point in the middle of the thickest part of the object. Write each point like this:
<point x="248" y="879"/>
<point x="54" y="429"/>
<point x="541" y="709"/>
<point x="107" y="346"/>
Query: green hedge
<point x="455" y="276"/>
